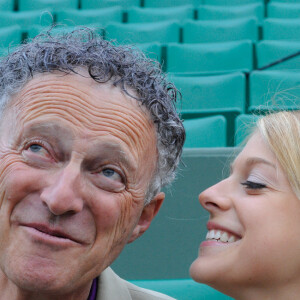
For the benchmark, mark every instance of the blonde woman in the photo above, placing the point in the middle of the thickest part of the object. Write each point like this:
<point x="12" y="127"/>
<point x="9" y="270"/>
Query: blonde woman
<point x="252" y="248"/>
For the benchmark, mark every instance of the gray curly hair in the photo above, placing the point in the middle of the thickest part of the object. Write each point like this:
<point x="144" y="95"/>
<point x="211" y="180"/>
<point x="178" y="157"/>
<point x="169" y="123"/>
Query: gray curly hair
<point x="123" y="66"/>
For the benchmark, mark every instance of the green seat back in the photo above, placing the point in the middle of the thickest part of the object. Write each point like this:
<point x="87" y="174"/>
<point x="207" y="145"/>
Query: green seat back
<point x="268" y="52"/>
<point x="283" y="10"/>
<point x="286" y="1"/>
<point x="43" y="4"/>
<point x="212" y="94"/>
<point x="7" y="5"/>
<point x="231" y="2"/>
<point x="244" y="125"/>
<point x="210" y="57"/>
<point x="95" y="4"/>
<point x="163" y="32"/>
<point x="10" y="36"/>
<point x="177" y="13"/>
<point x="281" y="29"/>
<point x="183" y="289"/>
<point x="90" y="16"/>
<point x="214" y="12"/>
<point x="25" y="19"/>
<point x="216" y="31"/>
<point x="152" y="50"/>
<point x="171" y="3"/>
<point x="274" y="90"/>
<point x="205" y="132"/>
<point x="171" y="243"/>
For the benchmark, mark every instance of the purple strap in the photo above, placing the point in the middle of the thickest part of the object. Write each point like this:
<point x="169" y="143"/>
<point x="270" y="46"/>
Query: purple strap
<point x="93" y="291"/>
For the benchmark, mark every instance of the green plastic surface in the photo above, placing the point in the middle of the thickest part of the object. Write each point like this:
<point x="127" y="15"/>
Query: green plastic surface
<point x="274" y="90"/>
<point x="283" y="10"/>
<point x="243" y="127"/>
<point x="10" y="36"/>
<point x="205" y="132"/>
<point x="95" y="4"/>
<point x="90" y="16"/>
<point x="177" y="13"/>
<point x="268" y="52"/>
<point x="171" y="244"/>
<point x="171" y="3"/>
<point x="209" y="57"/>
<point x="163" y="32"/>
<point x="281" y="29"/>
<point x="222" y="12"/>
<point x="24" y="5"/>
<point x="215" y="31"/>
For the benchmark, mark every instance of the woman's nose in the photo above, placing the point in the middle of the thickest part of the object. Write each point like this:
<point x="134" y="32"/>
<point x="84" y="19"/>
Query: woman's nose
<point x="217" y="197"/>
<point x="63" y="195"/>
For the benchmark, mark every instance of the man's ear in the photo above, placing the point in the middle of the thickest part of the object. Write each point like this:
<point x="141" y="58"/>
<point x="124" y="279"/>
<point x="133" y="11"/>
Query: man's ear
<point x="148" y="213"/>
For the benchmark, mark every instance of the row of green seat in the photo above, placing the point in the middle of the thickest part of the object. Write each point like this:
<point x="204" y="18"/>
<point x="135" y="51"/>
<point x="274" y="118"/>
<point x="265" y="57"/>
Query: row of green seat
<point x="23" y="5"/>
<point x="162" y="31"/>
<point x="212" y="131"/>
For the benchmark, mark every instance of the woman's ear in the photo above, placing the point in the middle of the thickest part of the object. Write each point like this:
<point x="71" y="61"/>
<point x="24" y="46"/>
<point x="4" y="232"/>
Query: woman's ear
<point x="148" y="213"/>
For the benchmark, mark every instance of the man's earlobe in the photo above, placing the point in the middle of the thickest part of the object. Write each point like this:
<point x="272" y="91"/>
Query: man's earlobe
<point x="148" y="213"/>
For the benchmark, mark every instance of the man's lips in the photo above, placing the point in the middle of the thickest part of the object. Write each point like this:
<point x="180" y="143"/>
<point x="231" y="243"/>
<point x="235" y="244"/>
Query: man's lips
<point x="52" y="232"/>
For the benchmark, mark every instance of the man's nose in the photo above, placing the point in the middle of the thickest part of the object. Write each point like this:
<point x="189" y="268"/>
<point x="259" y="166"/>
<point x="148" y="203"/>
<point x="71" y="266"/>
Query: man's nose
<point x="63" y="194"/>
<point x="217" y="197"/>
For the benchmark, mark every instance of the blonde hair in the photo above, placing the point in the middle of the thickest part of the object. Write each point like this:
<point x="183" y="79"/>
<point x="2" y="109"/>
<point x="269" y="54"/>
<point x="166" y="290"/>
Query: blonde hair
<point x="281" y="131"/>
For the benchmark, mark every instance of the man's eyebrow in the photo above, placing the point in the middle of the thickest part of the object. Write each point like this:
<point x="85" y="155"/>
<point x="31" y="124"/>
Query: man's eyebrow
<point x="48" y="128"/>
<point x="252" y="161"/>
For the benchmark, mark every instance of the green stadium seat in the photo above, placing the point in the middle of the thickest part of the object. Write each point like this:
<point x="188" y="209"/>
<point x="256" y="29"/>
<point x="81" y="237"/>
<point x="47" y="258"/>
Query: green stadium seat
<point x="268" y="52"/>
<point x="35" y="30"/>
<point x="10" y="36"/>
<point x="215" y="31"/>
<point x="171" y="3"/>
<point x="231" y="2"/>
<point x="183" y="289"/>
<point x="7" y="5"/>
<point x="177" y="13"/>
<point x="283" y="10"/>
<point x="281" y="29"/>
<point x="274" y="90"/>
<point x="216" y="94"/>
<point x="152" y="50"/>
<point x="100" y="17"/>
<point x="25" y="19"/>
<point x="24" y="5"/>
<point x="95" y="4"/>
<point x="214" y="12"/>
<point x="210" y="57"/>
<point x="244" y="125"/>
<point x="163" y="32"/>
<point x="205" y="132"/>
<point x="212" y="94"/>
<point x="286" y="1"/>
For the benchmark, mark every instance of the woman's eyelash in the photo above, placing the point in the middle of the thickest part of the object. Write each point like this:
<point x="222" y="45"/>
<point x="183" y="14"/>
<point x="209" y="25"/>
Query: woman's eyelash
<point x="253" y="185"/>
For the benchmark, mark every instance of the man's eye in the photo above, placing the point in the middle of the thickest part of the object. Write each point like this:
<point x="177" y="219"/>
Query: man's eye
<point x="35" y="147"/>
<point x="112" y="174"/>
<point x="253" y="185"/>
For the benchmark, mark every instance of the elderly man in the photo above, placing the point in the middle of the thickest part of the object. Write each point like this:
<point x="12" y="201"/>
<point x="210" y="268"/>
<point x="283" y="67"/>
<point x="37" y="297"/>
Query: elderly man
<point x="89" y="135"/>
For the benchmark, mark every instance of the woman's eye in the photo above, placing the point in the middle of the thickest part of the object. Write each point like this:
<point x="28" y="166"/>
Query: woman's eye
<point x="253" y="185"/>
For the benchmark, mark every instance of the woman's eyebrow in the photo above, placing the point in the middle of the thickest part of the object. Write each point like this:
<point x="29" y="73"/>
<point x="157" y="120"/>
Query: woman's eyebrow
<point x="253" y="161"/>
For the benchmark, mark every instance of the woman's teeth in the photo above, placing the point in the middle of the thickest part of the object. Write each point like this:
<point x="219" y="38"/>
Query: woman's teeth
<point x="221" y="236"/>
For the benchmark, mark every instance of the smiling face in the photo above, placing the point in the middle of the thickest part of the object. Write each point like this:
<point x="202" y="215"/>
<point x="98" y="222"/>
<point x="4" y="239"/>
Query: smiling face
<point x="252" y="242"/>
<point x="76" y="161"/>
